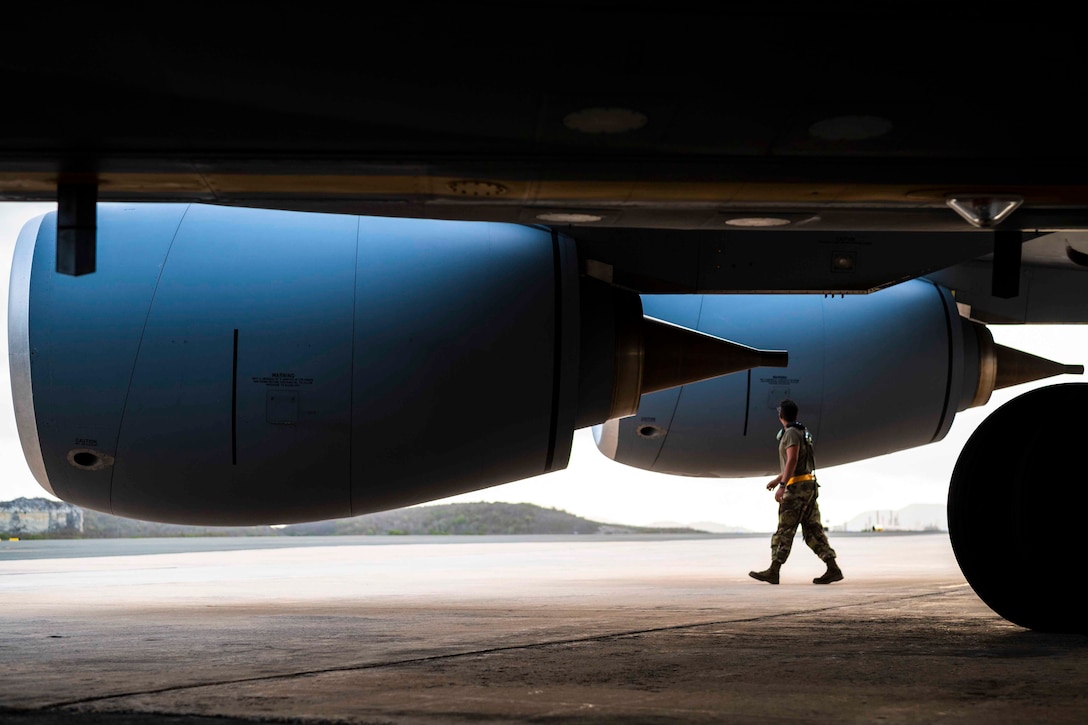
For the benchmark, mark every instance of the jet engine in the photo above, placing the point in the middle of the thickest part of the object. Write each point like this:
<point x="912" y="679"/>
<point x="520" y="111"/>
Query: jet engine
<point x="873" y="374"/>
<point x="242" y="366"/>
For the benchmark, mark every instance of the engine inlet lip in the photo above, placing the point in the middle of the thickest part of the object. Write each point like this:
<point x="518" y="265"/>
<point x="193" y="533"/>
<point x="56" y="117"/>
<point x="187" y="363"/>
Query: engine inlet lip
<point x="22" y="387"/>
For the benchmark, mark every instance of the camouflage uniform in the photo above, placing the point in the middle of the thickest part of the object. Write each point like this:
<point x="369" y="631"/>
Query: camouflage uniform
<point x="799" y="506"/>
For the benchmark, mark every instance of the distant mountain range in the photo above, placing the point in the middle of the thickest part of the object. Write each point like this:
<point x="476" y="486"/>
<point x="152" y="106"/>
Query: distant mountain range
<point x="708" y="526"/>
<point x="916" y="517"/>
<point x="43" y="518"/>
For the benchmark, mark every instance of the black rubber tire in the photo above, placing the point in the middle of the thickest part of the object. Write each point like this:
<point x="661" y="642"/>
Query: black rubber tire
<point x="1016" y="508"/>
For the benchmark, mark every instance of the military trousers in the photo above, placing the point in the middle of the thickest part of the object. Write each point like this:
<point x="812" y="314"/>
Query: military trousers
<point x="800" y="508"/>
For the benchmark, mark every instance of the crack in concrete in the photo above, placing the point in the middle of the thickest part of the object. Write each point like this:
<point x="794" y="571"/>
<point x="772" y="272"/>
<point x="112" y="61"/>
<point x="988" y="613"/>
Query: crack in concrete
<point x="477" y="652"/>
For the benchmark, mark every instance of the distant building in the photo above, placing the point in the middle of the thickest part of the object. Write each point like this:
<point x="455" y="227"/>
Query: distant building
<point x="25" y="516"/>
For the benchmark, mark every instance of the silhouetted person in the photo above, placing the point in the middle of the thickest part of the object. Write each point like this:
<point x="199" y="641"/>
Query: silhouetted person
<point x="796" y="496"/>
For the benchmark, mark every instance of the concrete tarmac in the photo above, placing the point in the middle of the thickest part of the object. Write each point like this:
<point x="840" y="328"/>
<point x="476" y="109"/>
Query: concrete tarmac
<point x="647" y="629"/>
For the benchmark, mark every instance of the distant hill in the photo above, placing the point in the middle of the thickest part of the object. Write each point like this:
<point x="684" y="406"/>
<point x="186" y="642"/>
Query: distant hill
<point x="439" y="519"/>
<point x="97" y="525"/>
<point x="471" y="519"/>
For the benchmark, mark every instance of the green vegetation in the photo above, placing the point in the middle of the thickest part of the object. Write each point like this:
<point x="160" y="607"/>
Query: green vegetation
<point x="468" y="519"/>
<point x="104" y="526"/>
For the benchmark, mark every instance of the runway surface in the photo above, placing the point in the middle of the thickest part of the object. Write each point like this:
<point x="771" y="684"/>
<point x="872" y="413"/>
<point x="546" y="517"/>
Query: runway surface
<point x="638" y="629"/>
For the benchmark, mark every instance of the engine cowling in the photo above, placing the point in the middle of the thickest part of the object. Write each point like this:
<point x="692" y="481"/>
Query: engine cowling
<point x="242" y="366"/>
<point x="872" y="374"/>
<point x="248" y="366"/>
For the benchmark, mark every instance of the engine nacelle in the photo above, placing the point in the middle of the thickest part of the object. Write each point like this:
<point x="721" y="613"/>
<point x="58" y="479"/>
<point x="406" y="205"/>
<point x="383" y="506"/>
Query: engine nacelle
<point x="245" y="366"/>
<point x="872" y="374"/>
<point x="241" y="366"/>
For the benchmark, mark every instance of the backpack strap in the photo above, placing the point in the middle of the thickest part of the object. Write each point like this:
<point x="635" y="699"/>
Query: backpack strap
<point x="807" y="438"/>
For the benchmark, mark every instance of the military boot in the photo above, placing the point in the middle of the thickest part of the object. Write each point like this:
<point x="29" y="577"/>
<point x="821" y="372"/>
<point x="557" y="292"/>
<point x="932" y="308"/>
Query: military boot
<point x="769" y="575"/>
<point x="833" y="574"/>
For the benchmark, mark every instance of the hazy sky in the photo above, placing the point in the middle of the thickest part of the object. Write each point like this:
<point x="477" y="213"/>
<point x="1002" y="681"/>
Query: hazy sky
<point x="598" y="488"/>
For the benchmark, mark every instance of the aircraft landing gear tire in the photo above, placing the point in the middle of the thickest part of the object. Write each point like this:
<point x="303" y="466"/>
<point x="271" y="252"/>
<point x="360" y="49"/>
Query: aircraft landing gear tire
<point x="1017" y="506"/>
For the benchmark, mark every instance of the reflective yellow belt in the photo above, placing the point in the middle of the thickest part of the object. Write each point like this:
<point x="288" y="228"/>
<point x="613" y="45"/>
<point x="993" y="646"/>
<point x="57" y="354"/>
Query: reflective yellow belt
<point x="802" y="477"/>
